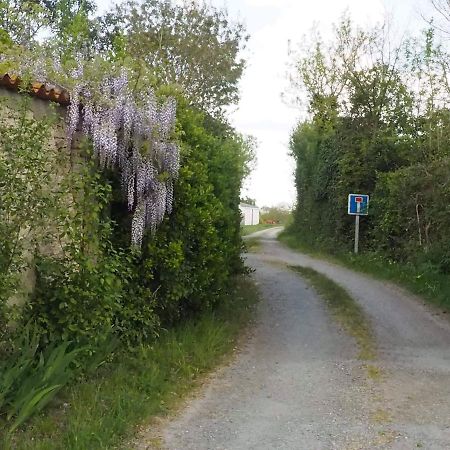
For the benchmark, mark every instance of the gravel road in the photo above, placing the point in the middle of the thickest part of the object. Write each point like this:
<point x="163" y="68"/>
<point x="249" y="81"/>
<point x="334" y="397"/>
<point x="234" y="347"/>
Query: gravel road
<point x="296" y="382"/>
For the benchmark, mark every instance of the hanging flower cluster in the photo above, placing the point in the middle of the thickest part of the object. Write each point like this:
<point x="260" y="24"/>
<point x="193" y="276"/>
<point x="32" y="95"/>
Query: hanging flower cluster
<point x="128" y="134"/>
<point x="133" y="137"/>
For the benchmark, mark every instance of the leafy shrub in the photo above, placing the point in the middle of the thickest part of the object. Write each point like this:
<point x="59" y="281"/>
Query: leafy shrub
<point x="192" y="255"/>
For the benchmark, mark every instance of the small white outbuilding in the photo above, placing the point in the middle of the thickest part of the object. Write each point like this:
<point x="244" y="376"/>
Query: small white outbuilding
<point x="250" y="214"/>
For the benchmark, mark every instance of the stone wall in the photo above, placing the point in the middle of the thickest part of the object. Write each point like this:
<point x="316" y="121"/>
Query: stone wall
<point x="57" y="142"/>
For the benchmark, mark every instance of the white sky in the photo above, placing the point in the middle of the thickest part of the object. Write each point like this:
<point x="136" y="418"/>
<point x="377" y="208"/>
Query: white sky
<point x="261" y="112"/>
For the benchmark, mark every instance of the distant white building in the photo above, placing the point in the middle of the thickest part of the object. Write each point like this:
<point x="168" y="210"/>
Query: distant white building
<point x="250" y="214"/>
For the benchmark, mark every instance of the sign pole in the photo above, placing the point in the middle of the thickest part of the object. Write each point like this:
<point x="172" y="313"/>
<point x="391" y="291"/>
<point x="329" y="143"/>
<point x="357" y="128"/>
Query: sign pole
<point x="356" y="233"/>
<point x="358" y="210"/>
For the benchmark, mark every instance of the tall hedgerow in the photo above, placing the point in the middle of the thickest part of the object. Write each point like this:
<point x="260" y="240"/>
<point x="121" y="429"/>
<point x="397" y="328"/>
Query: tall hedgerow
<point x="378" y="125"/>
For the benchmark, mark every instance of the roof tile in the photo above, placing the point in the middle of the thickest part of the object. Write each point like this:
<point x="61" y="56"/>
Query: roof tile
<point x="44" y="91"/>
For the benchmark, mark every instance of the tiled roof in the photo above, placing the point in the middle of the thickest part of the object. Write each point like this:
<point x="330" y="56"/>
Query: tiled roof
<point x="44" y="91"/>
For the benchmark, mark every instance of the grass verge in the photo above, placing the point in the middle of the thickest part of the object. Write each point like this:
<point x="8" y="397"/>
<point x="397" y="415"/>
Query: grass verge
<point x="345" y="309"/>
<point x="423" y="281"/>
<point x="252" y="244"/>
<point x="249" y="229"/>
<point x="106" y="410"/>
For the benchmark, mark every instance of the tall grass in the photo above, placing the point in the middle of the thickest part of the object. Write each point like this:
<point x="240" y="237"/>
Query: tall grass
<point x="105" y="410"/>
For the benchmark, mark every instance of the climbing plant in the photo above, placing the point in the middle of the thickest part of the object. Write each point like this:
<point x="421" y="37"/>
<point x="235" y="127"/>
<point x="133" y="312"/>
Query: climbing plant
<point x="131" y="131"/>
<point x="132" y="136"/>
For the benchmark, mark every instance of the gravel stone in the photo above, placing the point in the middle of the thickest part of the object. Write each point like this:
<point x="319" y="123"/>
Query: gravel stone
<point x="296" y="383"/>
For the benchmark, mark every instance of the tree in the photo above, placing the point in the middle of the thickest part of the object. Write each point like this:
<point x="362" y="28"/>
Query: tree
<point x="73" y="26"/>
<point x="20" y="21"/>
<point x="194" y="46"/>
<point x="442" y="21"/>
<point x="67" y="22"/>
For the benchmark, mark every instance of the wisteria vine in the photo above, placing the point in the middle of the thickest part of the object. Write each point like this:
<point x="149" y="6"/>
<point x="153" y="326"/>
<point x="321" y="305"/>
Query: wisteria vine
<point x="133" y="137"/>
<point x="128" y="134"/>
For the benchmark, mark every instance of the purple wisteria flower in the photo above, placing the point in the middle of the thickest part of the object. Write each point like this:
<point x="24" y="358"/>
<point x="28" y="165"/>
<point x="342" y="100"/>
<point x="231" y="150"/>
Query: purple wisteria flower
<point x="136" y="140"/>
<point x="131" y="136"/>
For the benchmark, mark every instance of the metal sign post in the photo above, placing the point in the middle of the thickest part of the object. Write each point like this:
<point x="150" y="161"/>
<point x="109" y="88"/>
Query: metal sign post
<point x="357" y="230"/>
<point x="358" y="205"/>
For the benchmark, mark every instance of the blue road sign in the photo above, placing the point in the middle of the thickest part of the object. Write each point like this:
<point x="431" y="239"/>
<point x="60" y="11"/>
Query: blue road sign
<point x="358" y="204"/>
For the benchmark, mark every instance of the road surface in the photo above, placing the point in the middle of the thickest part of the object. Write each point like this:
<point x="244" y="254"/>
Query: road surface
<point x="297" y="382"/>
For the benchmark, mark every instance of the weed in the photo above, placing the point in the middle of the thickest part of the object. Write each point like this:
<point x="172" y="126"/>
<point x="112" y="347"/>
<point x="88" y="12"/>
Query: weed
<point x="381" y="416"/>
<point x="374" y="372"/>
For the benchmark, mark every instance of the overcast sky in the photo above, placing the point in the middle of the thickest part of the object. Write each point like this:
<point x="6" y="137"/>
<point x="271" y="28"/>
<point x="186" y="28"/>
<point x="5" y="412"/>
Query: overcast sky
<point x="261" y="112"/>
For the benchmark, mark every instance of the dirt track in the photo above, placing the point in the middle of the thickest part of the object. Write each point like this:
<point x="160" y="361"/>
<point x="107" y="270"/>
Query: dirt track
<point x="297" y="384"/>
